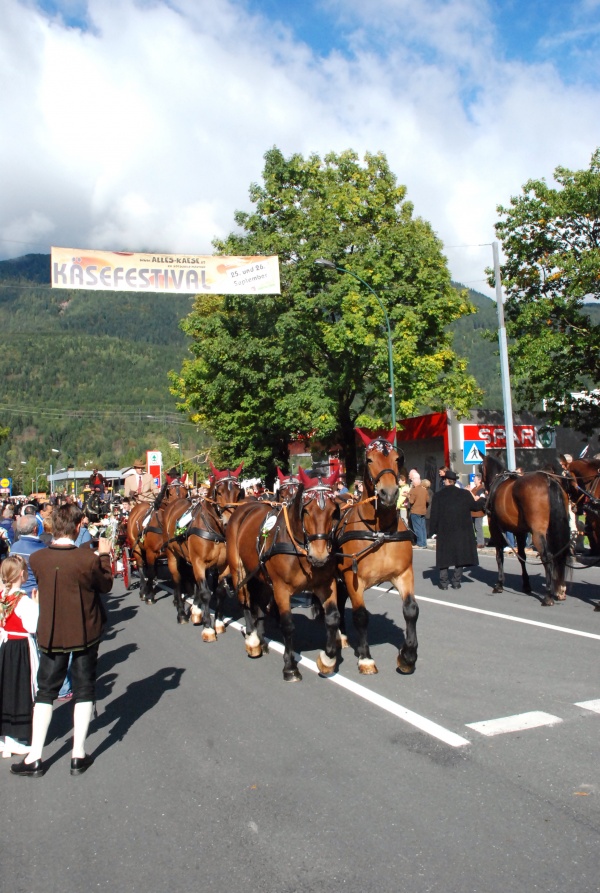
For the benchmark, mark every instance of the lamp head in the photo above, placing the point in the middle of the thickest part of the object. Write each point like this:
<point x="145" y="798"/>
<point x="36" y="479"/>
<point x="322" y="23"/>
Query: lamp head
<point x="323" y="262"/>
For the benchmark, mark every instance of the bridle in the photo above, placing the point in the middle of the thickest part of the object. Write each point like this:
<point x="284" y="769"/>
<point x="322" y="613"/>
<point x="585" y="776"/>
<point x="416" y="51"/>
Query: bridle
<point x="382" y="446"/>
<point x="321" y="493"/>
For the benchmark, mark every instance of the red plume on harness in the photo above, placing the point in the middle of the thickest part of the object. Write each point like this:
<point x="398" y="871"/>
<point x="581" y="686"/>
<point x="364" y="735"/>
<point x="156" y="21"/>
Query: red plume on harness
<point x="309" y="482"/>
<point x="368" y="439"/>
<point x="219" y="475"/>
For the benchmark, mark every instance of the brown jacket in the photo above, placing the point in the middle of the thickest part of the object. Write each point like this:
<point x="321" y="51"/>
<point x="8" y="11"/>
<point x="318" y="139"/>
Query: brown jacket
<point x="70" y="580"/>
<point x="419" y="498"/>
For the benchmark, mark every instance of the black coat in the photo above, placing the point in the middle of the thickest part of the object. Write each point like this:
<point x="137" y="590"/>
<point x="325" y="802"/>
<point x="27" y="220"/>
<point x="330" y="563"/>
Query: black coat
<point x="451" y="522"/>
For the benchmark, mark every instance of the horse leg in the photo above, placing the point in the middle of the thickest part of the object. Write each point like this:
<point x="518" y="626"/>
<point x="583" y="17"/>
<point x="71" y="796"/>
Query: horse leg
<point x="326" y="661"/>
<point x="499" y="586"/>
<point x="286" y="619"/>
<point x="407" y="657"/>
<point x="150" y="583"/>
<point x="178" y="597"/>
<point x="521" y="540"/>
<point x="220" y="592"/>
<point x="342" y="598"/>
<point x="539" y="541"/>
<point x="360" y="616"/>
<point x="254" y="615"/>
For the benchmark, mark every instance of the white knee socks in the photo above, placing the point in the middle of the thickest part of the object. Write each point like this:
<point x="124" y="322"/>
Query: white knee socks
<point x="82" y="714"/>
<point x="42" y="714"/>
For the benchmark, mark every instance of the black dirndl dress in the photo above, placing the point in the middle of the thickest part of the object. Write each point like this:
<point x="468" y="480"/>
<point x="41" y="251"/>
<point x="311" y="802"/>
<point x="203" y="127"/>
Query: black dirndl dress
<point x="16" y="701"/>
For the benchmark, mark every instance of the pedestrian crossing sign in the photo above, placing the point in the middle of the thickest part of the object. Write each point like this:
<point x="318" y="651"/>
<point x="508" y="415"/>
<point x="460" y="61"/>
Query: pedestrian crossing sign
<point x="473" y="452"/>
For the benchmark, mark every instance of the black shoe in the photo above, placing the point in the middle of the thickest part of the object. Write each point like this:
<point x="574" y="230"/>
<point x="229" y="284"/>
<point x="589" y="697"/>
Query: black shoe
<point x="28" y="770"/>
<point x="79" y="765"/>
<point x="456" y="585"/>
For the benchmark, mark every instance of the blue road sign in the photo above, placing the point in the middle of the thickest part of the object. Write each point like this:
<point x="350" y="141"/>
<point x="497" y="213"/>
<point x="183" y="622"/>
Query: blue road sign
<point x="473" y="452"/>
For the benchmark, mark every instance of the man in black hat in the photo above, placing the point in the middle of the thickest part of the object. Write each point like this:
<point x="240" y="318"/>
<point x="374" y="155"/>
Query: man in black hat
<point x="450" y="521"/>
<point x="172" y="477"/>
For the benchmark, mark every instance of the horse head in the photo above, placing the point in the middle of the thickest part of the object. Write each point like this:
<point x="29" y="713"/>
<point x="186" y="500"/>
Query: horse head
<point x="382" y="467"/>
<point x="288" y="485"/>
<point x="490" y="469"/>
<point x="226" y="488"/>
<point x="316" y="509"/>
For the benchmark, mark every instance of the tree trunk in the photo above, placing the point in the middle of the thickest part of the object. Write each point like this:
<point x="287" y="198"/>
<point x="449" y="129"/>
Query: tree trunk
<point x="348" y="443"/>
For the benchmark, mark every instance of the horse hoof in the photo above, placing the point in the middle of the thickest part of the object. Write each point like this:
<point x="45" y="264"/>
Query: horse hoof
<point x="209" y="635"/>
<point x="151" y="601"/>
<point x="183" y="619"/>
<point x="367" y="666"/>
<point x="561" y="594"/>
<point x="497" y="589"/>
<point x="220" y="627"/>
<point x="326" y="665"/>
<point x="547" y="602"/>
<point x="196" y="617"/>
<point x="342" y="640"/>
<point x="292" y="676"/>
<point x="405" y="668"/>
<point x="527" y="590"/>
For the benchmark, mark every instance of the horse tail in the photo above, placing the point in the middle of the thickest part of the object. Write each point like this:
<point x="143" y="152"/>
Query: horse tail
<point x="559" y="533"/>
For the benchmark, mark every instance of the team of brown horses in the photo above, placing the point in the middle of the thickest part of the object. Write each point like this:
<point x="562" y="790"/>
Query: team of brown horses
<point x="311" y="539"/>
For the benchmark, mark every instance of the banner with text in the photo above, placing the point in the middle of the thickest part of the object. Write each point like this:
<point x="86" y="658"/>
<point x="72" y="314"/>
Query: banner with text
<point x="172" y="273"/>
<point x="527" y="437"/>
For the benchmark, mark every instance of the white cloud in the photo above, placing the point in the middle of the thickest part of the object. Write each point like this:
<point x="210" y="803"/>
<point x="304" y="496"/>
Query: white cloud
<point x="145" y="131"/>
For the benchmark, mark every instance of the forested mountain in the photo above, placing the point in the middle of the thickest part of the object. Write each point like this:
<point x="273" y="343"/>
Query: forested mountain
<point x="86" y="372"/>
<point x="82" y="372"/>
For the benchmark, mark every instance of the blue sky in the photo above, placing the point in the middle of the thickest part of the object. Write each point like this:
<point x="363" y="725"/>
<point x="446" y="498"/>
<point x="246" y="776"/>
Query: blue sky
<point x="134" y="124"/>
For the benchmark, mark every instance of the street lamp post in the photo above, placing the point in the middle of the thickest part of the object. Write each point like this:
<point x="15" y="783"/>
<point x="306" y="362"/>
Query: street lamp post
<point x="56" y="452"/>
<point x="323" y="262"/>
<point x="511" y="461"/>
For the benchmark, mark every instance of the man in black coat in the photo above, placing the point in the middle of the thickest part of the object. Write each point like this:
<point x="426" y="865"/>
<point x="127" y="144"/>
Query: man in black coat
<point x="450" y="521"/>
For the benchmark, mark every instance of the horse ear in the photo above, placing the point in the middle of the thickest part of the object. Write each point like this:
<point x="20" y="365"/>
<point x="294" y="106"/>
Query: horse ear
<point x="216" y="474"/>
<point x="330" y="481"/>
<point x="304" y="479"/>
<point x="391" y="437"/>
<point x="366" y="438"/>
<point x="236" y="473"/>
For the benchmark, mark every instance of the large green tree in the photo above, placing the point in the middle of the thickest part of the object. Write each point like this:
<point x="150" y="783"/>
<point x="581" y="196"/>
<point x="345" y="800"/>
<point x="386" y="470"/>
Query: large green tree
<point x="314" y="360"/>
<point x="551" y="240"/>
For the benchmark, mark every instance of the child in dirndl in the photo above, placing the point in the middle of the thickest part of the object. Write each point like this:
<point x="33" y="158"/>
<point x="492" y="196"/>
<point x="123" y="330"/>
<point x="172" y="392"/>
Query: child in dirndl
<point x="18" y="657"/>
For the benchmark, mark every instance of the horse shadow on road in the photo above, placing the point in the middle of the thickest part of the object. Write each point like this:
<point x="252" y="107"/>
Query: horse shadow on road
<point x="309" y="632"/>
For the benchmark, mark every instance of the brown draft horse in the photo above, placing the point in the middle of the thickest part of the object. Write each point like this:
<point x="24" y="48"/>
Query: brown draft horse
<point x="200" y="546"/>
<point x="276" y="551"/>
<point x="288" y="486"/>
<point x="374" y="546"/>
<point x="147" y="538"/>
<point x="585" y="493"/>
<point x="536" y="503"/>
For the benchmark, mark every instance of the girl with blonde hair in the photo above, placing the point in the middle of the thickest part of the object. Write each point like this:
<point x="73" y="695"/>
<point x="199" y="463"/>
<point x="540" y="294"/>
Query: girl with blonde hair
<point x="18" y="656"/>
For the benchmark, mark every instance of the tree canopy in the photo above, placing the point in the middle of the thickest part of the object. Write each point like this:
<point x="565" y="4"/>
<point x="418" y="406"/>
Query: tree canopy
<point x="313" y="361"/>
<point x="551" y="240"/>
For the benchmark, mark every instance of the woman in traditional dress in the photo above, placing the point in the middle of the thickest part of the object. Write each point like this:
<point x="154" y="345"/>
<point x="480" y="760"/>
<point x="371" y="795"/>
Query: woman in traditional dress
<point x="18" y="656"/>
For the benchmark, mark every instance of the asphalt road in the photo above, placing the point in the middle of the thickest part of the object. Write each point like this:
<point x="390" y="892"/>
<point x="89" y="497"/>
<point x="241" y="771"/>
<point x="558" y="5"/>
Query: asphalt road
<point x="211" y="773"/>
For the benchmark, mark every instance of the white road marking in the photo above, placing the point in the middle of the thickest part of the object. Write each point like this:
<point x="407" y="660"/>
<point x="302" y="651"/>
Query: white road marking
<point x="560" y="629"/>
<point x="589" y="705"/>
<point x="516" y="723"/>
<point x="414" y="719"/>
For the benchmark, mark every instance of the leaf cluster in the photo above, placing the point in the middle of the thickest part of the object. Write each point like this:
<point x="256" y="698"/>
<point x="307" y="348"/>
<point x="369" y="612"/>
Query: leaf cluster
<point x="551" y="240"/>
